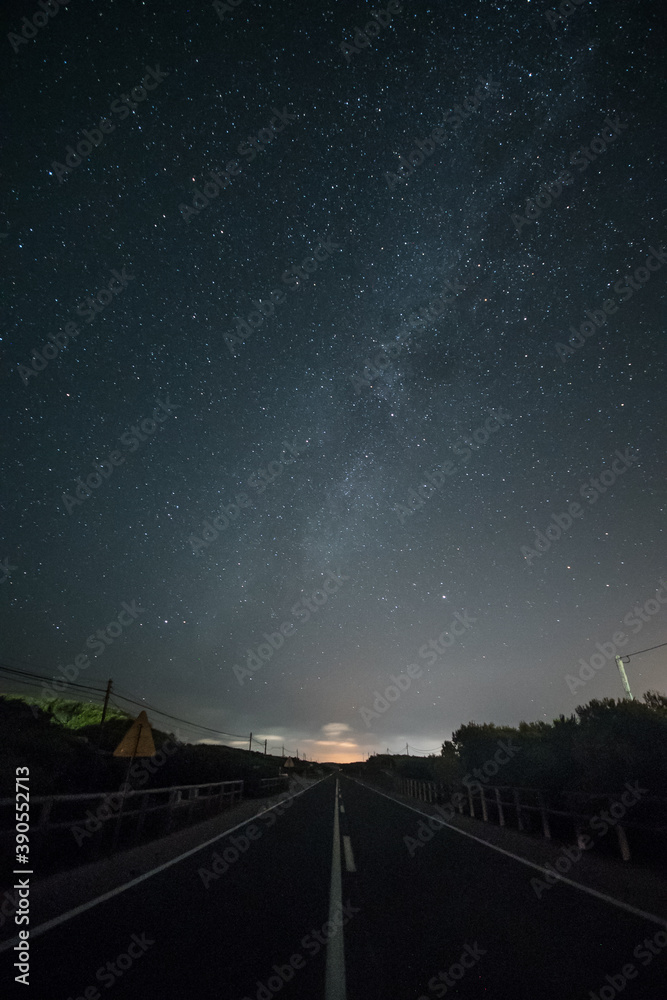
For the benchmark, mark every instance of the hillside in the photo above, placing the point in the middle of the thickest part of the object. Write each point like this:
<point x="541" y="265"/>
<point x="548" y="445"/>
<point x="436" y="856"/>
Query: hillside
<point x="60" y="742"/>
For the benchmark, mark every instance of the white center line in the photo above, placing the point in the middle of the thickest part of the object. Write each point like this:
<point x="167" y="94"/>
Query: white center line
<point x="334" y="977"/>
<point x="342" y="808"/>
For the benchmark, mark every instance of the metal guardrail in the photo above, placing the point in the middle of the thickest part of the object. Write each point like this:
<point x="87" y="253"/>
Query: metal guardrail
<point x="84" y="814"/>
<point x="492" y="796"/>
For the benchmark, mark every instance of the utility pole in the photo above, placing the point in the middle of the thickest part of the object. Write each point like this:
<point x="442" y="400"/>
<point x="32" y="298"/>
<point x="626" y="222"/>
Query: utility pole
<point x="104" y="711"/>
<point x="407" y="750"/>
<point x="265" y="748"/>
<point x="624" y="677"/>
<point x="250" y="743"/>
<point x="283" y="749"/>
<point x="297" y="753"/>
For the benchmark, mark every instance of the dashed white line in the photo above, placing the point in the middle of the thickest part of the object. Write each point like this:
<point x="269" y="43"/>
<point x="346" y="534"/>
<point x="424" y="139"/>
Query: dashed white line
<point x="334" y="977"/>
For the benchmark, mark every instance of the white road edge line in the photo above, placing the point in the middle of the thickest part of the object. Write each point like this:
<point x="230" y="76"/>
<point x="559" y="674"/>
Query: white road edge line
<point x="531" y="864"/>
<point x="50" y="924"/>
<point x="334" y="976"/>
<point x="349" y="856"/>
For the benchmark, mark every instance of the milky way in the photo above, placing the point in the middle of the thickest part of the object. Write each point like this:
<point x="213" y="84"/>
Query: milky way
<point x="290" y="284"/>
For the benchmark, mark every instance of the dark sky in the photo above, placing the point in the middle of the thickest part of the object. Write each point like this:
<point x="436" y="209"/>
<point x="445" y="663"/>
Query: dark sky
<point x="361" y="450"/>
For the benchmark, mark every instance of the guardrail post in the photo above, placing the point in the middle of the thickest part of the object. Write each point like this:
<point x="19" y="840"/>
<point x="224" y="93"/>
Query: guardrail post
<point x="499" y="804"/>
<point x="485" y="816"/>
<point x="545" y="819"/>
<point x="472" y="805"/>
<point x="623" y="843"/>
<point x="174" y="798"/>
<point x="519" y="817"/>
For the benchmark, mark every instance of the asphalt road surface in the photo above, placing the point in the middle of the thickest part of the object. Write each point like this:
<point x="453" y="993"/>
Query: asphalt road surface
<point x="325" y="900"/>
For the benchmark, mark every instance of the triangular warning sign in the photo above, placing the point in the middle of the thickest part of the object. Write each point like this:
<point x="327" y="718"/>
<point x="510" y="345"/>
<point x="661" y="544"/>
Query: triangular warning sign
<point x="138" y="740"/>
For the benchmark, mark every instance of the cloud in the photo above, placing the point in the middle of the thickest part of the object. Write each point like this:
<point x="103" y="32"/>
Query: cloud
<point x="335" y="729"/>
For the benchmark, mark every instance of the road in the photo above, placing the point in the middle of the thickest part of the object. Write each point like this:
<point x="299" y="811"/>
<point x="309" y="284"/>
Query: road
<point x="187" y="931"/>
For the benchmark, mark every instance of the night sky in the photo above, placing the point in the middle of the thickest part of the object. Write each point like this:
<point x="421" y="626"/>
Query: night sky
<point x="430" y="304"/>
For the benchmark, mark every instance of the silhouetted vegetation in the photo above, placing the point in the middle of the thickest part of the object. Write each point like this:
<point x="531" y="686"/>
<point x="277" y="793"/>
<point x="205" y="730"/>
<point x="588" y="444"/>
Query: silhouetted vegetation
<point x="597" y="749"/>
<point x="61" y="743"/>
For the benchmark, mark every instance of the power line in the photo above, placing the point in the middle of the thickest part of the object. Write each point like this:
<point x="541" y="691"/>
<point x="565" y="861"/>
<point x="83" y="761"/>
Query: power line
<point x="23" y="673"/>
<point x="176" y="718"/>
<point x="142" y="704"/>
<point x="638" y="651"/>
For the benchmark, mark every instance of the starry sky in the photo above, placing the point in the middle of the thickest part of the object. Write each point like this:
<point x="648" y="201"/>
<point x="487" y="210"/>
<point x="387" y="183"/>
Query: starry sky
<point x="350" y="365"/>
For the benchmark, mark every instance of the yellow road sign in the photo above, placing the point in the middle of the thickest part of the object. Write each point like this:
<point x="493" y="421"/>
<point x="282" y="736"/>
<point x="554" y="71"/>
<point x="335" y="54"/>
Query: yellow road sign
<point x="138" y="740"/>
